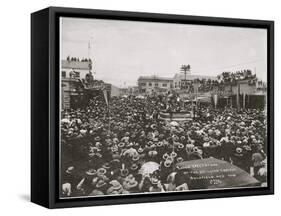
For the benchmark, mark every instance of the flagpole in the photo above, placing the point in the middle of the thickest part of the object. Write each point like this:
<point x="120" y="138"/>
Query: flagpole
<point x="108" y="118"/>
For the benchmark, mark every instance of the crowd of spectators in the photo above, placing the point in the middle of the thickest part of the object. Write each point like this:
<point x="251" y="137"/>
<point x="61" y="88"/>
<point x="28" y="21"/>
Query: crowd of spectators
<point x="76" y="59"/>
<point x="204" y="85"/>
<point x="232" y="77"/>
<point x="105" y="149"/>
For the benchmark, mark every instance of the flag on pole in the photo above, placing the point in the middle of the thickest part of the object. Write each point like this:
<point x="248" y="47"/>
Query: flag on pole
<point x="216" y="100"/>
<point x="105" y="96"/>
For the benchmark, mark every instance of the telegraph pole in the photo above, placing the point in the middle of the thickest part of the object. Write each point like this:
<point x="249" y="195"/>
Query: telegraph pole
<point x="185" y="69"/>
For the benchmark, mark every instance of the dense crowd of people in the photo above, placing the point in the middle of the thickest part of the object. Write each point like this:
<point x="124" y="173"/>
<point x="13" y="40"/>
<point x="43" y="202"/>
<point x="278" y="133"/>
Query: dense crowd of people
<point x="246" y="74"/>
<point x="125" y="147"/>
<point x="208" y="85"/>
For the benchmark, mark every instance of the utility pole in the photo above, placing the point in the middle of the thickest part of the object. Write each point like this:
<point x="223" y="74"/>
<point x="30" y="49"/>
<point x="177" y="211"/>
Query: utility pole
<point x="238" y="95"/>
<point x="185" y="69"/>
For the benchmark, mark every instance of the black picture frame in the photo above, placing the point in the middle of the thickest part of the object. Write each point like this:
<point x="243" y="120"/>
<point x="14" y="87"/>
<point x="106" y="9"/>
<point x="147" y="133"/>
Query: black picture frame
<point x="45" y="106"/>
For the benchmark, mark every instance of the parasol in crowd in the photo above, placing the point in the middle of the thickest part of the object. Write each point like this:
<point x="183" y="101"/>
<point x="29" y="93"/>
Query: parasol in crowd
<point x="149" y="168"/>
<point x="204" y="99"/>
<point x="213" y="173"/>
<point x="140" y="97"/>
<point x="65" y="120"/>
<point x="174" y="123"/>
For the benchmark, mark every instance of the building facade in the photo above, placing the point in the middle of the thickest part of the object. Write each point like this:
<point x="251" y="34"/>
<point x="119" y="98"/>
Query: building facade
<point x="72" y="92"/>
<point x="154" y="84"/>
<point x="75" y="69"/>
<point x="78" y="85"/>
<point x="180" y="81"/>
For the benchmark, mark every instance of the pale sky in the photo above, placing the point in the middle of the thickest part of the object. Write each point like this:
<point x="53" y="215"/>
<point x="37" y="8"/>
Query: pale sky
<point x="124" y="50"/>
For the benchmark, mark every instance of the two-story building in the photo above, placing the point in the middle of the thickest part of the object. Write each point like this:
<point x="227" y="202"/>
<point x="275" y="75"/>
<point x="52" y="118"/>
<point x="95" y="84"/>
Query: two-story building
<point x="154" y="84"/>
<point x="181" y="81"/>
<point x="71" y="88"/>
<point x="75" y="69"/>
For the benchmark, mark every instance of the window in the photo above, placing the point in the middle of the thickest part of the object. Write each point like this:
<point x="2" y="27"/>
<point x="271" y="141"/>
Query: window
<point x="77" y="74"/>
<point x="143" y="84"/>
<point x="156" y="84"/>
<point x="63" y="74"/>
<point x="164" y="85"/>
<point x="149" y="84"/>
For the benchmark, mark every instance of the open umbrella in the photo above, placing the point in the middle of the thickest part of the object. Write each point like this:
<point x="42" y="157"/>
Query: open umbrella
<point x="174" y="123"/>
<point x="204" y="99"/>
<point x="148" y="168"/>
<point x="140" y="97"/>
<point x="65" y="120"/>
<point x="213" y="173"/>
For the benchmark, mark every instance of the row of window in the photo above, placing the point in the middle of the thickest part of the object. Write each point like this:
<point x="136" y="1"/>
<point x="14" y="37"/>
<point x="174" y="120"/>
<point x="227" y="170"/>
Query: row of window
<point x="155" y="84"/>
<point x="72" y="74"/>
<point x="179" y="84"/>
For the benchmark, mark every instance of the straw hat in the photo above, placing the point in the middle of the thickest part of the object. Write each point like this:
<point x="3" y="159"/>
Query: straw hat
<point x="100" y="183"/>
<point x="154" y="181"/>
<point x="91" y="172"/>
<point x="239" y="150"/>
<point x="121" y="144"/>
<point x="70" y="169"/>
<point x="124" y="172"/>
<point x="160" y="144"/>
<point x="106" y="166"/>
<point x="134" y="167"/>
<point x="130" y="184"/>
<point x="115" y="185"/>
<point x="116" y="155"/>
<point x="180" y="146"/>
<point x="96" y="192"/>
<point x="135" y="157"/>
<point x="97" y="138"/>
<point x="173" y="154"/>
<point x="179" y="159"/>
<point x="165" y="156"/>
<point x="98" y="145"/>
<point x="140" y="150"/>
<point x="168" y="163"/>
<point x="152" y="153"/>
<point x="101" y="171"/>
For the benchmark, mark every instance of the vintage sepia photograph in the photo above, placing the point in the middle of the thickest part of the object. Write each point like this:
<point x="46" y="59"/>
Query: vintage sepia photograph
<point x="150" y="107"/>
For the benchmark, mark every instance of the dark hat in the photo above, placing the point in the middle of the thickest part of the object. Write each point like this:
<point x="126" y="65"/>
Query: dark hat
<point x="154" y="181"/>
<point x="124" y="171"/>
